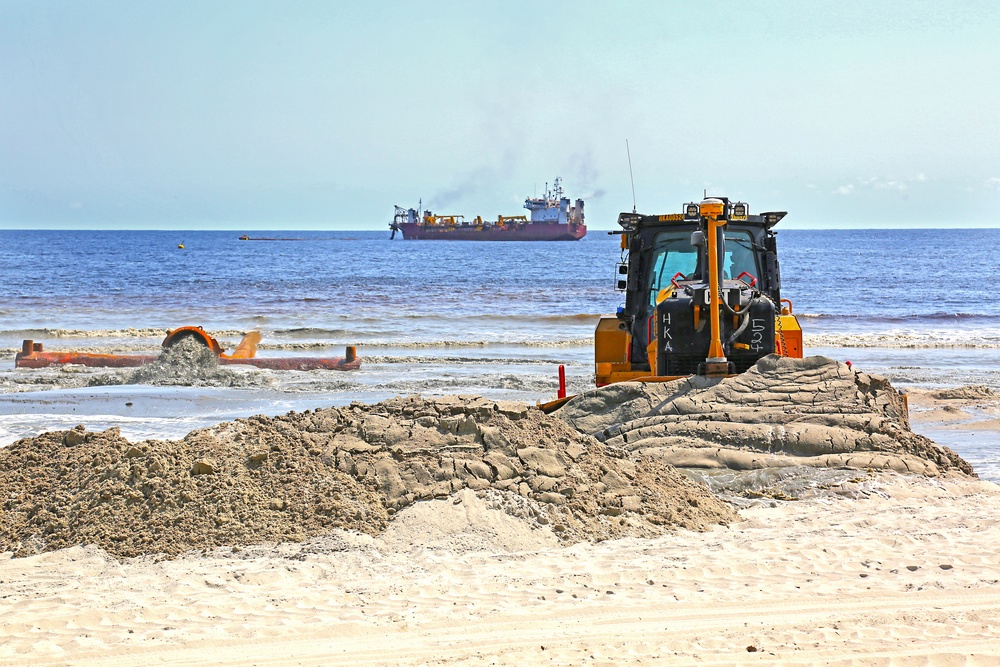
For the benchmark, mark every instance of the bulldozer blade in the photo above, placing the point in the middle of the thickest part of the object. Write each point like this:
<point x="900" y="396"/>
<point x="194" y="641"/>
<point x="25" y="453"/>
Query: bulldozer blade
<point x="551" y="406"/>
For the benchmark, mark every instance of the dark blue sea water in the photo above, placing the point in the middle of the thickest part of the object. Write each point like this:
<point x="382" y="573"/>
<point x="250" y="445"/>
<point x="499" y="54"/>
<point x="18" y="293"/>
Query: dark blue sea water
<point x="451" y="316"/>
<point x="358" y="286"/>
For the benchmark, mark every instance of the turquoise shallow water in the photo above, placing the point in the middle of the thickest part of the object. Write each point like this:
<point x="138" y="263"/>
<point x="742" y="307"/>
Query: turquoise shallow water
<point x="445" y="317"/>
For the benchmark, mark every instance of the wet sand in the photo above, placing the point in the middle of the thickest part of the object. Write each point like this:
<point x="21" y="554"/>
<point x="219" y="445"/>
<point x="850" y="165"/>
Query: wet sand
<point x="965" y="408"/>
<point x="968" y="422"/>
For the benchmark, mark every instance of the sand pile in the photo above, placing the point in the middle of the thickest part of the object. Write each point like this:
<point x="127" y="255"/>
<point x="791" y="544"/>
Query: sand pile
<point x="291" y="477"/>
<point x="600" y="468"/>
<point x="782" y="413"/>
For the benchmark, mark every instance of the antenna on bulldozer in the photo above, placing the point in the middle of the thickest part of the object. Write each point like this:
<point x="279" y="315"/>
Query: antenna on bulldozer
<point x="630" y="178"/>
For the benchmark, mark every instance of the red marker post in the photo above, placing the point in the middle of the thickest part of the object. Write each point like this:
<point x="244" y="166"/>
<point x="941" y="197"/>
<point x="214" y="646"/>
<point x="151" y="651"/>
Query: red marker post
<point x="562" y="381"/>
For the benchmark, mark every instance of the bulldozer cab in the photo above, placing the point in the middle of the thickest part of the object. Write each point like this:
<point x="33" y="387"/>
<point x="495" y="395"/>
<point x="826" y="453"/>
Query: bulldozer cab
<point x="666" y="326"/>
<point x="672" y="254"/>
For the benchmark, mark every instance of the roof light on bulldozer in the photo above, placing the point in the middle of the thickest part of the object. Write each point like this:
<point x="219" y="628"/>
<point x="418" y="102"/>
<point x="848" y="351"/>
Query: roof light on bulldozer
<point x="628" y="221"/>
<point x="771" y="218"/>
<point x="692" y="212"/>
<point x="740" y="211"/>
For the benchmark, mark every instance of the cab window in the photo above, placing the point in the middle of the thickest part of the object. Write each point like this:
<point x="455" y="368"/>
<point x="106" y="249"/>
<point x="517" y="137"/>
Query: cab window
<point x="672" y="254"/>
<point x="740" y="256"/>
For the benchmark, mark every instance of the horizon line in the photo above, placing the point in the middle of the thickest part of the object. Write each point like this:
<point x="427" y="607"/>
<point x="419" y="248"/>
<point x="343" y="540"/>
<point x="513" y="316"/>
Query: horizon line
<point x="341" y="231"/>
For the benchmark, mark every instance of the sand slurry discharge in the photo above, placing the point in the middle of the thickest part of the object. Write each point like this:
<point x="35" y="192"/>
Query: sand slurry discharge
<point x="600" y="468"/>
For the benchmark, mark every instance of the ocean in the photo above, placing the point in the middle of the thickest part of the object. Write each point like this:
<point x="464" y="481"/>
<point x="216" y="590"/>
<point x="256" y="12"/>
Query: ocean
<point x="443" y="317"/>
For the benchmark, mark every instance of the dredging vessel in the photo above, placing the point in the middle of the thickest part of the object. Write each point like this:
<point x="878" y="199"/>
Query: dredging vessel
<point x="552" y="218"/>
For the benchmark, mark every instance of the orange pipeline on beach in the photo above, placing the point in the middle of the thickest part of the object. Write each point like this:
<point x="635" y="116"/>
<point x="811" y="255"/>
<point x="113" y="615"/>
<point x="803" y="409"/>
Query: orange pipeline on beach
<point x="33" y="355"/>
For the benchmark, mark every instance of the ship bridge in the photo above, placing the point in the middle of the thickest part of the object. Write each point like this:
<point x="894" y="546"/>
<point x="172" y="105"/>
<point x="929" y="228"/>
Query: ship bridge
<point x="553" y="207"/>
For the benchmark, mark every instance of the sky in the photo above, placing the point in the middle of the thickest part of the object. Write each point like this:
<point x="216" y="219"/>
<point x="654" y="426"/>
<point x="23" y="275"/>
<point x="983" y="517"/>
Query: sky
<point x="323" y="115"/>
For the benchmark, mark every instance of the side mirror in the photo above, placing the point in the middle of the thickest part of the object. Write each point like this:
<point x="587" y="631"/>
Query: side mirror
<point x="698" y="238"/>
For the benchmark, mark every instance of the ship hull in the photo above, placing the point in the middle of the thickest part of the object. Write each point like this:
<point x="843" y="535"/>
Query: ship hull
<point x="520" y="232"/>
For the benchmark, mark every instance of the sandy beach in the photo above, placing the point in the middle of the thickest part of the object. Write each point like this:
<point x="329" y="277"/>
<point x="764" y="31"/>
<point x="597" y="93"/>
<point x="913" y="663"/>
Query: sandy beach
<point x="888" y="569"/>
<point x="907" y="576"/>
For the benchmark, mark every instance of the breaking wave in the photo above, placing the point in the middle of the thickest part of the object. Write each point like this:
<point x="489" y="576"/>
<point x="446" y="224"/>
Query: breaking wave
<point x="570" y="342"/>
<point x="478" y="361"/>
<point x="358" y="328"/>
<point x="145" y="332"/>
<point x="925" y="340"/>
<point x="42" y="334"/>
<point x="889" y="319"/>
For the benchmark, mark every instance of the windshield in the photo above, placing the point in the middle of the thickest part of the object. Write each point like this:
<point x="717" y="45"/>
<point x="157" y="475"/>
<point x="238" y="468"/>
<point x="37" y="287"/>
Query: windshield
<point x="672" y="254"/>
